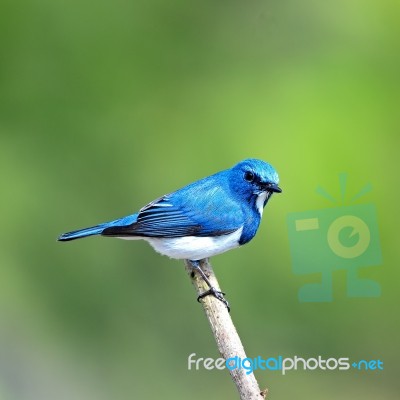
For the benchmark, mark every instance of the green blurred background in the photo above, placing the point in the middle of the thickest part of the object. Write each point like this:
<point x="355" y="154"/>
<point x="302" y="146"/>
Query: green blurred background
<point x="105" y="106"/>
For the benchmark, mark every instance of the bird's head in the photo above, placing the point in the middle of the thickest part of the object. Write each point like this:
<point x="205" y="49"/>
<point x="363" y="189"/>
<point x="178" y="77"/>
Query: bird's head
<point x="255" y="180"/>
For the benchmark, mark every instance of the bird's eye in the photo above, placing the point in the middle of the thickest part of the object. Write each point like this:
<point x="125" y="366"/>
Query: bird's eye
<point x="248" y="176"/>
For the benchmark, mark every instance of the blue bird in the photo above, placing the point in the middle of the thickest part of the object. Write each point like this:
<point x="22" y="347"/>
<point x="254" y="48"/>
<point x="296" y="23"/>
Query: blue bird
<point x="205" y="218"/>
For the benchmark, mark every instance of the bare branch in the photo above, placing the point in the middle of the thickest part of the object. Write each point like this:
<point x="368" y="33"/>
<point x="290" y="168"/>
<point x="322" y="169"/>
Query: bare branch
<point x="225" y="334"/>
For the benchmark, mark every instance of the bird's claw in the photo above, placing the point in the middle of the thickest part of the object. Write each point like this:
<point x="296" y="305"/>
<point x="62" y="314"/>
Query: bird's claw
<point x="217" y="294"/>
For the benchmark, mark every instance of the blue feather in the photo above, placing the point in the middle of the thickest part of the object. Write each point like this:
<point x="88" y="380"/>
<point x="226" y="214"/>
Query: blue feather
<point x="98" y="229"/>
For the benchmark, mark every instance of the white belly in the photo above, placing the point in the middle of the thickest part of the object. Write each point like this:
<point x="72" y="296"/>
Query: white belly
<point x="193" y="247"/>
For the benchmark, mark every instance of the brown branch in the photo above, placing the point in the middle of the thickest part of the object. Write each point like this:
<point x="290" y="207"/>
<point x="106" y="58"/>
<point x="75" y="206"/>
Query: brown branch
<point x="228" y="340"/>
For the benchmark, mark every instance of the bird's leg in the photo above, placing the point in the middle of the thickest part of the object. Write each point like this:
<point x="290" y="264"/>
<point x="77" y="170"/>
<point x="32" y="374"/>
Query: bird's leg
<point x="212" y="290"/>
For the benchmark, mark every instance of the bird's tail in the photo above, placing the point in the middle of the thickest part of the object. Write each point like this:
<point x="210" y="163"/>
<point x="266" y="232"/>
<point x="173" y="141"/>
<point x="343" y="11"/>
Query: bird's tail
<point x="80" y="233"/>
<point x="98" y="229"/>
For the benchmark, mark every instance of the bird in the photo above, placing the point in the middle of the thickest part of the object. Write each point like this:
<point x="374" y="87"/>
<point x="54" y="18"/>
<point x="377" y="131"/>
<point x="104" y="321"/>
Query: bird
<point x="207" y="217"/>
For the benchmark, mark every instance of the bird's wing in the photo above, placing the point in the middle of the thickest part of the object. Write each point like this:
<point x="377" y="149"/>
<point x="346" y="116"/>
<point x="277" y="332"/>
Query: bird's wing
<point x="200" y="210"/>
<point x="161" y="218"/>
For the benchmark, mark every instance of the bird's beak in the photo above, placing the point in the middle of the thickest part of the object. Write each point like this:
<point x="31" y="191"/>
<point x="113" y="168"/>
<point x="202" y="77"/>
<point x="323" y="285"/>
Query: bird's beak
<point x="275" y="188"/>
<point x="272" y="187"/>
